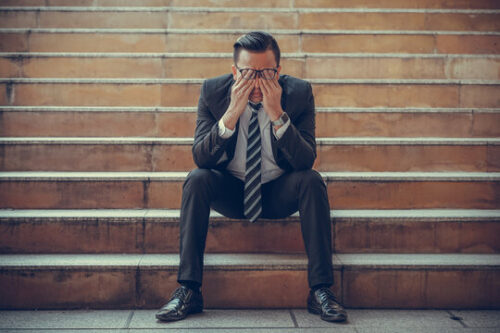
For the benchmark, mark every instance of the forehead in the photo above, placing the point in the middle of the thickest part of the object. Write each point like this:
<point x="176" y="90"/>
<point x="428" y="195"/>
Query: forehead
<point x="256" y="60"/>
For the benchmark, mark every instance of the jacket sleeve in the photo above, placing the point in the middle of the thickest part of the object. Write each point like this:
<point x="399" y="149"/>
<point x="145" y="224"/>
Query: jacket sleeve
<point x="208" y="145"/>
<point x="298" y="143"/>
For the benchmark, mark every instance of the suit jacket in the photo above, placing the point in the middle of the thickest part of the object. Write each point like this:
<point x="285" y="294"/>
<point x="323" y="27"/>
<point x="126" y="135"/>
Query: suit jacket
<point x="295" y="150"/>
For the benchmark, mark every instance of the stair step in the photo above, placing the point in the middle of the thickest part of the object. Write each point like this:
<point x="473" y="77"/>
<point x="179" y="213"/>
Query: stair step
<point x="346" y="190"/>
<point x="248" y="280"/>
<point x="362" y="4"/>
<point x="221" y="40"/>
<point x="129" y="121"/>
<point x="309" y="65"/>
<point x="248" y="18"/>
<point x="397" y="4"/>
<point x="174" y="154"/>
<point x="185" y="92"/>
<point x="158" y="3"/>
<point x="415" y="90"/>
<point x="157" y="231"/>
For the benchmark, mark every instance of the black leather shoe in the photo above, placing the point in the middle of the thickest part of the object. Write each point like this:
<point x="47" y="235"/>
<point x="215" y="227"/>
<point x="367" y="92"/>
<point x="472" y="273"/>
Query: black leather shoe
<point x="324" y="303"/>
<point x="183" y="301"/>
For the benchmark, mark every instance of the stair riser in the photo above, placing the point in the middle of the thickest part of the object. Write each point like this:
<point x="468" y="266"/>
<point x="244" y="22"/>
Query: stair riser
<point x="167" y="194"/>
<point x="101" y="236"/>
<point x="187" y="94"/>
<point x="433" y="288"/>
<point x="413" y="236"/>
<point x="328" y="124"/>
<point x="126" y="288"/>
<point x="251" y="20"/>
<point x="328" y="68"/>
<point x="161" y="3"/>
<point x="394" y="4"/>
<point x="172" y="42"/>
<point x="466" y="4"/>
<point x="163" y="157"/>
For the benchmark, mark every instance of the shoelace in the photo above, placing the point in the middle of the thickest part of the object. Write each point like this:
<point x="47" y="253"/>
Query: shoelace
<point x="180" y="293"/>
<point x="326" y="294"/>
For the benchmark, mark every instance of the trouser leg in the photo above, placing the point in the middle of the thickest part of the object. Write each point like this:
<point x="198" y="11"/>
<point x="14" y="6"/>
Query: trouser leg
<point x="306" y="192"/>
<point x="201" y="189"/>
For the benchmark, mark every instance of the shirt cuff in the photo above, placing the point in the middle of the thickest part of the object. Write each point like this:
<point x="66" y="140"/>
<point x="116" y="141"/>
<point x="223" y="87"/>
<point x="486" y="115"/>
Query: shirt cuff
<point x="279" y="133"/>
<point x="224" y="132"/>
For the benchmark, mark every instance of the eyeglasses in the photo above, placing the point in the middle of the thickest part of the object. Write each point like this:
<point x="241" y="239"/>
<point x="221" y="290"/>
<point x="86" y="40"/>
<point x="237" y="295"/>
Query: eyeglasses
<point x="250" y="73"/>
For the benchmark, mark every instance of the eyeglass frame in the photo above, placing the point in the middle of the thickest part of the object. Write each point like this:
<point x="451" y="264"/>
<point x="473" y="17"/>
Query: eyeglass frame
<point x="258" y="72"/>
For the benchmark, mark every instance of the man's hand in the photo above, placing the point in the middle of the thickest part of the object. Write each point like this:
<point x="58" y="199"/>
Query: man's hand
<point x="240" y="91"/>
<point x="271" y="91"/>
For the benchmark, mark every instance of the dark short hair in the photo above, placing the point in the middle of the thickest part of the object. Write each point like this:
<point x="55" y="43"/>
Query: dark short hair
<point x="256" y="41"/>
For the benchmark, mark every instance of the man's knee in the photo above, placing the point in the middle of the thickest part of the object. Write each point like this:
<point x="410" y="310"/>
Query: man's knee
<point x="198" y="177"/>
<point x="311" y="177"/>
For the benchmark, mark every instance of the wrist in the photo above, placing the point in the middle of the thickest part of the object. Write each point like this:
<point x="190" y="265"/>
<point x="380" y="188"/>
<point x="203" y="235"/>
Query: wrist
<point x="281" y="120"/>
<point x="229" y="119"/>
<point x="276" y="115"/>
<point x="277" y="127"/>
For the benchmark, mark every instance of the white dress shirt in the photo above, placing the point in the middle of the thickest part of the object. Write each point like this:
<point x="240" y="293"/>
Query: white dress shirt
<point x="269" y="169"/>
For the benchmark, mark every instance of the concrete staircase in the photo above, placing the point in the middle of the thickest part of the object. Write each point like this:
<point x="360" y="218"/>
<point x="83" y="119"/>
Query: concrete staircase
<point x="97" y="115"/>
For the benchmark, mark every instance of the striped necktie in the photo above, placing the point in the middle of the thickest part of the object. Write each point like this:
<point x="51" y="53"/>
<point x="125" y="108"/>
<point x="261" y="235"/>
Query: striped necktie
<point x="252" y="196"/>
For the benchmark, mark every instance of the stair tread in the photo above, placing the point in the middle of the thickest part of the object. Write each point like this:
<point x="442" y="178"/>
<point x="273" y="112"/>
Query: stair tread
<point x="193" y="109"/>
<point x="249" y="261"/>
<point x="181" y="175"/>
<point x="245" y="9"/>
<point x="230" y="55"/>
<point x="243" y="31"/>
<point x="174" y="214"/>
<point x="189" y="140"/>
<point x="200" y="81"/>
<point x="439" y="5"/>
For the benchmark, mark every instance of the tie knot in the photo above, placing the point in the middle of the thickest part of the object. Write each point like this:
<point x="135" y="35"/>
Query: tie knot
<point x="254" y="106"/>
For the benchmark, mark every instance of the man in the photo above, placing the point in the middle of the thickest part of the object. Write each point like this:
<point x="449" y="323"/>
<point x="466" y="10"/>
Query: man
<point x="255" y="147"/>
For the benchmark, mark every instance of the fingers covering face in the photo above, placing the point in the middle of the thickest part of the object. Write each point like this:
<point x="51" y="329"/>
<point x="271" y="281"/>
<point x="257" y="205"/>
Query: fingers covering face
<point x="242" y="84"/>
<point x="263" y="86"/>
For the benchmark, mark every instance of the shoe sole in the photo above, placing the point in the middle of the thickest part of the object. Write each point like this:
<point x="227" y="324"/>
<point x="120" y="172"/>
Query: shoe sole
<point x="173" y="318"/>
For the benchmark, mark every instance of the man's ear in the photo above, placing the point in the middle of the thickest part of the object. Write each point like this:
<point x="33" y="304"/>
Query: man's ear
<point x="235" y="71"/>
<point x="279" y="70"/>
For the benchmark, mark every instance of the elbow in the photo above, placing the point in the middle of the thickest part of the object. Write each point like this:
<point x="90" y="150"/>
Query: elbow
<point x="310" y="157"/>
<point x="200" y="162"/>
<point x="305" y="161"/>
<point x="308" y="164"/>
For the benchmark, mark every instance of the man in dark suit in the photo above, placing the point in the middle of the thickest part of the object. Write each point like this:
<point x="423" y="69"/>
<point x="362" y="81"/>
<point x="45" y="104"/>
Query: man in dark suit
<point x="255" y="147"/>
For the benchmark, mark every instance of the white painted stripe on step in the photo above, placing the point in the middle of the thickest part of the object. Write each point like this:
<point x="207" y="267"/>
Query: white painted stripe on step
<point x="421" y="260"/>
<point x="243" y="31"/>
<point x="391" y="55"/>
<point x="423" y="215"/>
<point x="230" y="55"/>
<point x="327" y="141"/>
<point x="200" y="81"/>
<point x="193" y="109"/>
<point x="180" y="176"/>
<point x="402" y="81"/>
<point x="96" y="140"/>
<point x="93" y="176"/>
<point x="249" y="261"/>
<point x="408" y="141"/>
<point x="244" y="9"/>
<point x="56" y="108"/>
<point x="411" y="176"/>
<point x="405" y="110"/>
<point x="419" y="214"/>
